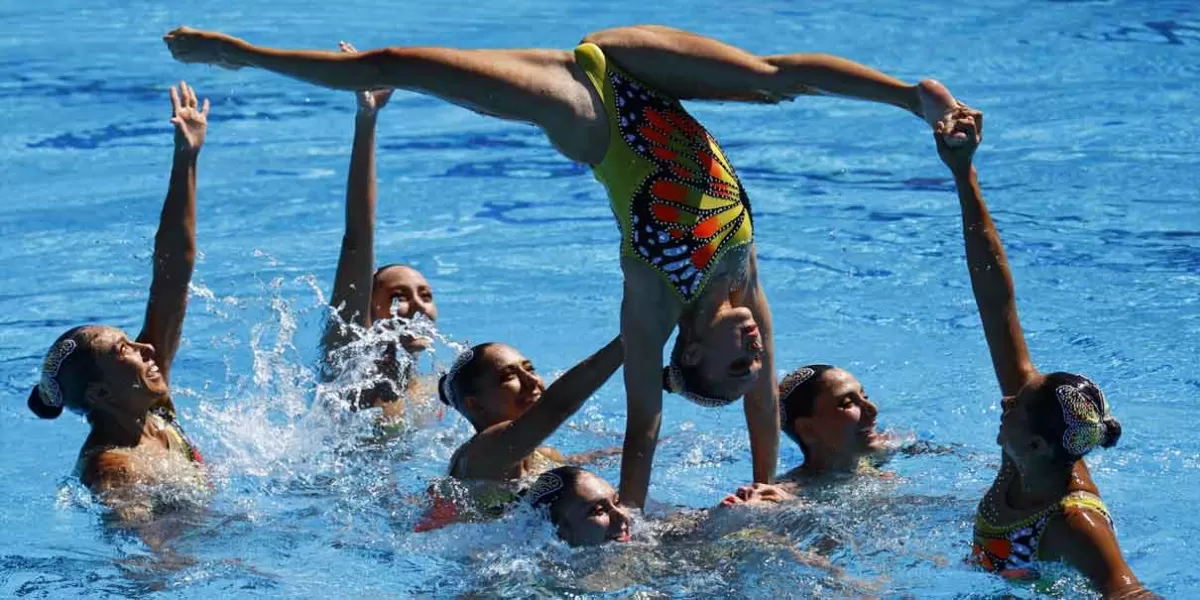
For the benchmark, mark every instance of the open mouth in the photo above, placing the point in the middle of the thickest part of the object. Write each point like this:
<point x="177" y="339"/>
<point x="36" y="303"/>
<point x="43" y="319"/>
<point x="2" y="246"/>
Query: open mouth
<point x="153" y="374"/>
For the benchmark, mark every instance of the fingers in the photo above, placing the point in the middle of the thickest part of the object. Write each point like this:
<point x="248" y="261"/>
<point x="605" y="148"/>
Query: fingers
<point x="174" y="102"/>
<point x="204" y="111"/>
<point x="347" y="47"/>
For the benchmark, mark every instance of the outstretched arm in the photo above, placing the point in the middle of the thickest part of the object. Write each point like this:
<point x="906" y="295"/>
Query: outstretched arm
<point x="351" y="296"/>
<point x="762" y="403"/>
<point x="175" y="242"/>
<point x="534" y="86"/>
<point x="991" y="279"/>
<point x="499" y="447"/>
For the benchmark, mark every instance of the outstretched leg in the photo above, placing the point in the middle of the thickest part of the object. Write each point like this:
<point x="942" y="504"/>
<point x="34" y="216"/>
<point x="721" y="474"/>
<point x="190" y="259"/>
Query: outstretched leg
<point x="690" y="66"/>
<point x="542" y="87"/>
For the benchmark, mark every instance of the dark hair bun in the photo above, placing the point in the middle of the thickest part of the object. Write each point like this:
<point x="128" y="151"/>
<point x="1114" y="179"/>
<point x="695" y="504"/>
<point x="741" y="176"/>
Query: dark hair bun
<point x="1112" y="433"/>
<point x="40" y="408"/>
<point x="442" y="390"/>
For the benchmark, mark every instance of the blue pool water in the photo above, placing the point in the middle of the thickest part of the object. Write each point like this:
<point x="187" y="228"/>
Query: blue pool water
<point x="1089" y="162"/>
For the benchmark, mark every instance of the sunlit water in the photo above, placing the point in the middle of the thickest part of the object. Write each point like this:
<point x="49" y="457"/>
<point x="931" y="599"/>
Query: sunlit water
<point x="1089" y="163"/>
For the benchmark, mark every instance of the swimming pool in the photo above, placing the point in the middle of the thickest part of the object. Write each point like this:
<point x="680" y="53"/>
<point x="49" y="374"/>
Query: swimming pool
<point x="1089" y="165"/>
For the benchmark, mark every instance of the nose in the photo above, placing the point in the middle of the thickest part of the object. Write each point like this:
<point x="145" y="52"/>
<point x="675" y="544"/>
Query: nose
<point x="427" y="308"/>
<point x="146" y="350"/>
<point x="869" y="410"/>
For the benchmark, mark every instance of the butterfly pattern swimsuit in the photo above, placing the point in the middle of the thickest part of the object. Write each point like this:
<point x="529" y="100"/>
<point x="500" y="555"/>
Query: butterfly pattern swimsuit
<point x="677" y="199"/>
<point x="1011" y="549"/>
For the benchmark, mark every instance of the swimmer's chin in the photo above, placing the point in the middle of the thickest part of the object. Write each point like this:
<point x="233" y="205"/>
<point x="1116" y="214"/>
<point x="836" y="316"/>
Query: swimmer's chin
<point x="417" y="345"/>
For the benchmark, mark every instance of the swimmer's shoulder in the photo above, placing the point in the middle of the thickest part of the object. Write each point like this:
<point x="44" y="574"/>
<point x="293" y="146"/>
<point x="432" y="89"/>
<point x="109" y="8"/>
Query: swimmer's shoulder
<point x="103" y="468"/>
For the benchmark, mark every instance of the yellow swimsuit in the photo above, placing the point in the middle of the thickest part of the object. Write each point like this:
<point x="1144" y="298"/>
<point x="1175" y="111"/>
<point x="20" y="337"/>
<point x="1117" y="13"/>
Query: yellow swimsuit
<point x="678" y="201"/>
<point x="1011" y="549"/>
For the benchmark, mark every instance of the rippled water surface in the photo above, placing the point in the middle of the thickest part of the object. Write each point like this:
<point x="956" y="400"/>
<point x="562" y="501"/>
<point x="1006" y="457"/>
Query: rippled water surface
<point x="1090" y="164"/>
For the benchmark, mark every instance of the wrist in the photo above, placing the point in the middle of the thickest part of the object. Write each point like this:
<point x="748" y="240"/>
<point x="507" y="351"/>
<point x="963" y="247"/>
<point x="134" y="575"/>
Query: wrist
<point x="366" y="115"/>
<point x="185" y="151"/>
<point x="963" y="172"/>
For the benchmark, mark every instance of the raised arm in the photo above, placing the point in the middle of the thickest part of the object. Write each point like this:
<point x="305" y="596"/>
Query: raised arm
<point x="175" y="242"/>
<point x="501" y="446"/>
<point x="991" y="279"/>
<point x="761" y="405"/>
<point x="351" y="297"/>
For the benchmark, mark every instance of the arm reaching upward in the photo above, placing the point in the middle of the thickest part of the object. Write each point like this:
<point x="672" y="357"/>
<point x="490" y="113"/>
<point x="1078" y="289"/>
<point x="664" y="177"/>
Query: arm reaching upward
<point x="351" y="296"/>
<point x="503" y="445"/>
<point x="175" y="242"/>
<point x="991" y="279"/>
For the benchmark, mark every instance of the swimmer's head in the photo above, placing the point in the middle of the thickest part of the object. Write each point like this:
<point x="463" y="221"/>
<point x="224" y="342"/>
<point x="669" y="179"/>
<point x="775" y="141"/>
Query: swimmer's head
<point x="491" y="383"/>
<point x="716" y="358"/>
<point x="95" y="371"/>
<point x="403" y="290"/>
<point x="826" y="411"/>
<point x="1056" y="419"/>
<point x="583" y="507"/>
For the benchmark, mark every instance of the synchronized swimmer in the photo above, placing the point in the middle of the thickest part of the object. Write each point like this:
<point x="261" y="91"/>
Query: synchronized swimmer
<point x="689" y="263"/>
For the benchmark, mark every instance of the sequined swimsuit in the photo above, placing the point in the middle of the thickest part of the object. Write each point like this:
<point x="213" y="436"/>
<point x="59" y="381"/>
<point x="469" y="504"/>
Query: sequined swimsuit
<point x="677" y="199"/>
<point x="1011" y="549"/>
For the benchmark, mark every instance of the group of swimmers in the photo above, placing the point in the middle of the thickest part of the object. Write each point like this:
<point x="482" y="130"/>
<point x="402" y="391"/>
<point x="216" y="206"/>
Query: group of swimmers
<point x="689" y="263"/>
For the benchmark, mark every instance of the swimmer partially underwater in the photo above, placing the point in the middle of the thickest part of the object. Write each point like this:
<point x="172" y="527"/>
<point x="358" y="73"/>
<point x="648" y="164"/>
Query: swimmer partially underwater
<point x="584" y="510"/>
<point x="513" y="413"/>
<point x="1043" y="504"/>
<point x="136" y="458"/>
<point x="687" y="252"/>
<point x="364" y="296"/>
<point x="828" y="414"/>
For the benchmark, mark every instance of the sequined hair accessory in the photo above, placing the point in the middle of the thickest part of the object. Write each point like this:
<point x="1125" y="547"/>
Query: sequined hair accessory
<point x="447" y="385"/>
<point x="1086" y="422"/>
<point x="790" y="383"/>
<point x="675" y="385"/>
<point x="546" y="489"/>
<point x="48" y="389"/>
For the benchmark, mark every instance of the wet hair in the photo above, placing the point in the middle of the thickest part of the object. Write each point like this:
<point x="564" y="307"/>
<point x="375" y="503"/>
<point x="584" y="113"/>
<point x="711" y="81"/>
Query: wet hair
<point x="689" y="381"/>
<point x="798" y="398"/>
<point x="380" y="270"/>
<point x="549" y="489"/>
<point x="70" y="365"/>
<point x="461" y="380"/>
<point x="1071" y="413"/>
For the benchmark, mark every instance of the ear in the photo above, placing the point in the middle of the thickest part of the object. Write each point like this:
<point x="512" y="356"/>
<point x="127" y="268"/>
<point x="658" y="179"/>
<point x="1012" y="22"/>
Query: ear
<point x="470" y="404"/>
<point x="97" y="391"/>
<point x="1040" y="448"/>
<point x="803" y="426"/>
<point x="693" y="354"/>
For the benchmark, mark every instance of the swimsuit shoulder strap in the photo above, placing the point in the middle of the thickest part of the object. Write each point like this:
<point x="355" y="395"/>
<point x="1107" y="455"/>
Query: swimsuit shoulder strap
<point x="1083" y="499"/>
<point x="593" y="62"/>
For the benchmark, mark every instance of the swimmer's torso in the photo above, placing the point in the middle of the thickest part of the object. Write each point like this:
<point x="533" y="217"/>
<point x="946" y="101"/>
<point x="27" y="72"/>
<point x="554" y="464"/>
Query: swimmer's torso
<point x="678" y="201"/>
<point x="1010" y="544"/>
<point x="165" y="466"/>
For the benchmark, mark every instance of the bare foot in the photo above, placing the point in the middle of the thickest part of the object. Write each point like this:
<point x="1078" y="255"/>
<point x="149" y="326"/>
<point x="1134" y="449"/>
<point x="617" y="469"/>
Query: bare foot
<point x="942" y="112"/>
<point x="189" y="45"/>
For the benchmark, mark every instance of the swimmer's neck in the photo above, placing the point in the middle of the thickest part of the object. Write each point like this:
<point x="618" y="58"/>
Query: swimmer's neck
<point x="1038" y="486"/>
<point x="124" y="431"/>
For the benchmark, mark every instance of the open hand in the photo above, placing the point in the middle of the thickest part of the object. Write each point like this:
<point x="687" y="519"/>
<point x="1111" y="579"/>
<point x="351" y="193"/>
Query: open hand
<point x="965" y="120"/>
<point x="757" y="493"/>
<point x="190" y="46"/>
<point x="370" y="101"/>
<point x="190" y="123"/>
